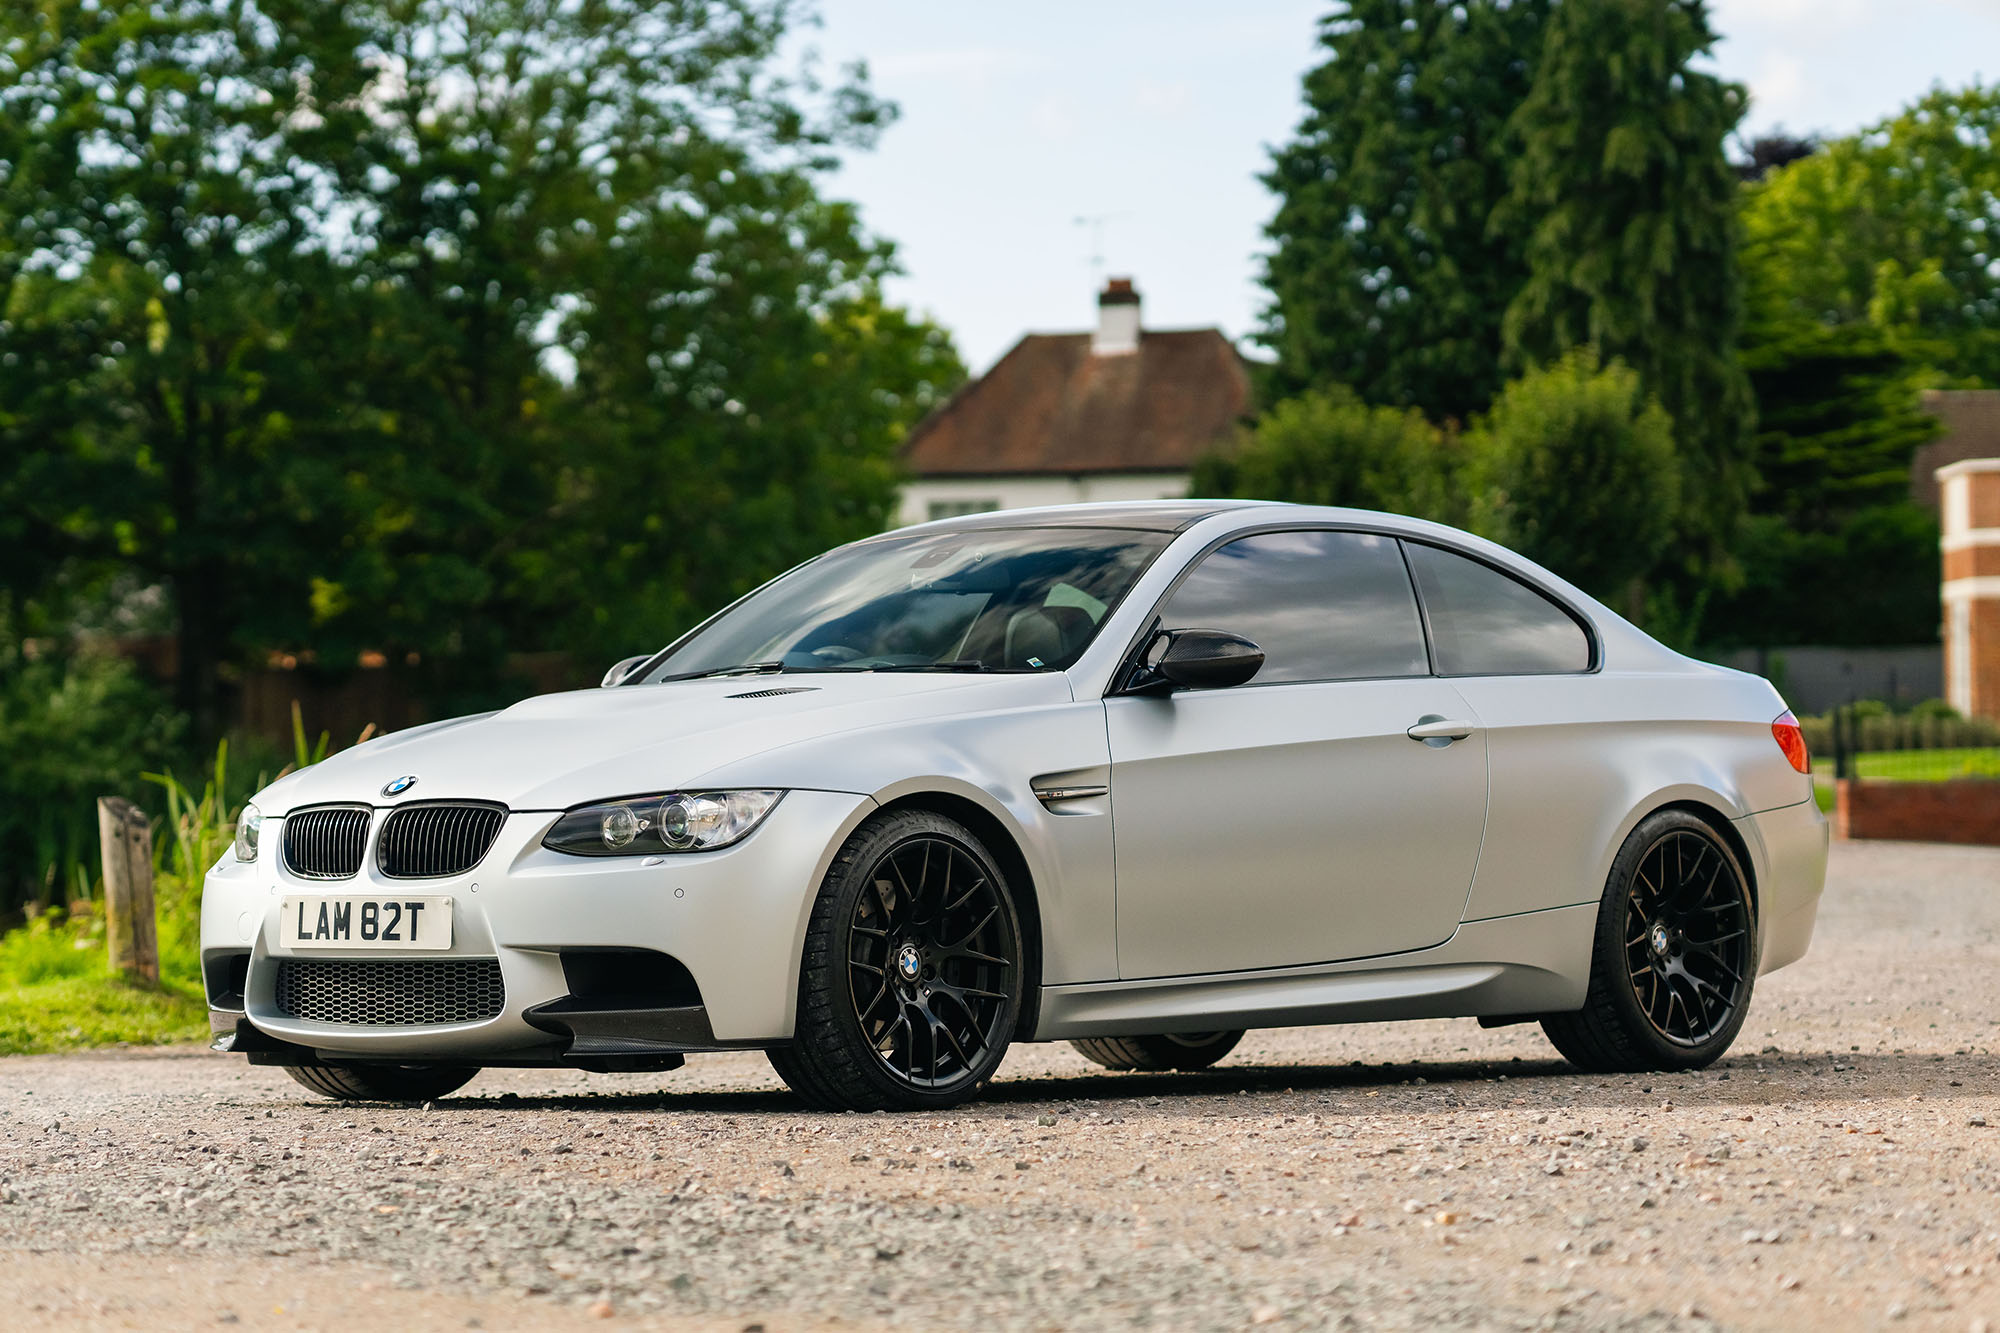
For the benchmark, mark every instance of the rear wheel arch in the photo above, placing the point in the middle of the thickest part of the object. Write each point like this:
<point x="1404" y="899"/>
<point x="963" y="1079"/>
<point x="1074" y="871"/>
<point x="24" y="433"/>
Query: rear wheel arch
<point x="1005" y="848"/>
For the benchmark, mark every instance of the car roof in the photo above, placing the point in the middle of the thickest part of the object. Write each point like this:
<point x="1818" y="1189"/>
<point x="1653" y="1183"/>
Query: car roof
<point x="1147" y="515"/>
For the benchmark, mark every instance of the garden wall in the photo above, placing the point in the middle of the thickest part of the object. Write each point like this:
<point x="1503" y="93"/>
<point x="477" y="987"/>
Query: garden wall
<point x="1961" y="810"/>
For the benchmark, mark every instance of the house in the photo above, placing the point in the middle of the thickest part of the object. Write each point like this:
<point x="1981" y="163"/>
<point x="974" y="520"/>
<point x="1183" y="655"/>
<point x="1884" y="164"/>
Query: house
<point x="1970" y="491"/>
<point x="1118" y="413"/>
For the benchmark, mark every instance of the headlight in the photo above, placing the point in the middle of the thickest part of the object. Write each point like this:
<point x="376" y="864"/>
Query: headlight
<point x="670" y="822"/>
<point x="248" y="825"/>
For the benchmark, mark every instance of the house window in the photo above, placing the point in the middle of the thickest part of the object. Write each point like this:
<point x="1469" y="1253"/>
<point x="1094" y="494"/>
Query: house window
<point x="956" y="508"/>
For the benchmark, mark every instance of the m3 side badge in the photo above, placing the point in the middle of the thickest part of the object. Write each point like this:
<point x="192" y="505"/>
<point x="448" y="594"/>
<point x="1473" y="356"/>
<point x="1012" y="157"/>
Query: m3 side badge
<point x="400" y="785"/>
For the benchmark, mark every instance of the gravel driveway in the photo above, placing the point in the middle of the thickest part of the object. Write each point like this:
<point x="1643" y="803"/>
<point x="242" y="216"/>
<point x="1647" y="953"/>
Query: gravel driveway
<point x="1842" y="1168"/>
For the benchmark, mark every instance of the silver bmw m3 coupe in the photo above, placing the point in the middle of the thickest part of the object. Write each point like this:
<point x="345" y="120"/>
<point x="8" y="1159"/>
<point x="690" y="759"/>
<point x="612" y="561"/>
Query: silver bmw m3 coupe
<point x="1138" y="776"/>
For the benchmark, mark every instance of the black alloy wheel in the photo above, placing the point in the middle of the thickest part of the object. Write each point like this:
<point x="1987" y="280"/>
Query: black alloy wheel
<point x="914" y="971"/>
<point x="1675" y="956"/>
<point x="1687" y="938"/>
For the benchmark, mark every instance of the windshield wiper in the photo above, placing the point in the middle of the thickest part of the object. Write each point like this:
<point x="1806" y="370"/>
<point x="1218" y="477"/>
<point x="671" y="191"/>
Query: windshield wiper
<point x="959" y="664"/>
<point x="741" y="669"/>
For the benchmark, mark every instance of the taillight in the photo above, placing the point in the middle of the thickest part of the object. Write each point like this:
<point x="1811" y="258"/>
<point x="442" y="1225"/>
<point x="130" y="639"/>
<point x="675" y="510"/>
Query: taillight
<point x="1792" y="740"/>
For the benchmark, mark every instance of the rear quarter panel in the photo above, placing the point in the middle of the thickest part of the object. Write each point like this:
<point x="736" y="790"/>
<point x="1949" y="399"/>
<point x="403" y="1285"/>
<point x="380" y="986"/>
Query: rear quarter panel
<point x="1575" y="762"/>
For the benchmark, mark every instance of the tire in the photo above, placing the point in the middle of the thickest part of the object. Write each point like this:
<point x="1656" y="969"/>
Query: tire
<point x="1174" y="1050"/>
<point x="914" y="925"/>
<point x="1674" y="958"/>
<point x="382" y="1083"/>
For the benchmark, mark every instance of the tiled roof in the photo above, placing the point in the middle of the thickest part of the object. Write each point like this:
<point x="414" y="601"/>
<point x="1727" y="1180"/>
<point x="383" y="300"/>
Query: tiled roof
<point x="1971" y="419"/>
<point x="1051" y="406"/>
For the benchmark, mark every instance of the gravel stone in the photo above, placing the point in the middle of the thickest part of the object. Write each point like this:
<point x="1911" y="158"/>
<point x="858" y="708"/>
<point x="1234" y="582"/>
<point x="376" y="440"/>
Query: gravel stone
<point x="1310" y="1182"/>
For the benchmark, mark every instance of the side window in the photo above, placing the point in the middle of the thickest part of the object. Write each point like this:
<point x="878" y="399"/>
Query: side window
<point x="1322" y="605"/>
<point x="1485" y="623"/>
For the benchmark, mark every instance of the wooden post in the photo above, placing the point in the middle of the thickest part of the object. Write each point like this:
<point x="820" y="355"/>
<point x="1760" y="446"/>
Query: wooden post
<point x="125" y="837"/>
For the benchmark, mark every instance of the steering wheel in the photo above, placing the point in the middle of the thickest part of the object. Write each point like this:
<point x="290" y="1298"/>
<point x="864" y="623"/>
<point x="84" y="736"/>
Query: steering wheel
<point x="836" y="652"/>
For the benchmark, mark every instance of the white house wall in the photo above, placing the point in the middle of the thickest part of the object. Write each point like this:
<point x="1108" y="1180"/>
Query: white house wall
<point x="976" y="494"/>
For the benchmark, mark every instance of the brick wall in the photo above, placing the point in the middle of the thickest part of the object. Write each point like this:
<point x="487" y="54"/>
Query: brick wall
<point x="1963" y="810"/>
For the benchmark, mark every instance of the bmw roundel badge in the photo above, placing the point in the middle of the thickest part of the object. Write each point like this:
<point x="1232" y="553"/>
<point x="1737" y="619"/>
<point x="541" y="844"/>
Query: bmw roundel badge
<point x="400" y="785"/>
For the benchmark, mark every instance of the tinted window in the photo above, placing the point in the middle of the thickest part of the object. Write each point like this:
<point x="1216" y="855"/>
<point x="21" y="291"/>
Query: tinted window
<point x="1484" y="623"/>
<point x="1322" y="605"/>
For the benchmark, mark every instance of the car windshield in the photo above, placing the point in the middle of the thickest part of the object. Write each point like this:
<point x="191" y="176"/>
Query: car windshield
<point x="993" y="599"/>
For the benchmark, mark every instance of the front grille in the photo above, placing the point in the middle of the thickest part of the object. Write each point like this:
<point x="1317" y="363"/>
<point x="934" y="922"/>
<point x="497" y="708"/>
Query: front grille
<point x="426" y="841"/>
<point x="326" y="843"/>
<point x="391" y="994"/>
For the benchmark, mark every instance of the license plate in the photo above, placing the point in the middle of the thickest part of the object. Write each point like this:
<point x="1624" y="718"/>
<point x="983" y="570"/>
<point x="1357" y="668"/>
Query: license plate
<point x="366" y="923"/>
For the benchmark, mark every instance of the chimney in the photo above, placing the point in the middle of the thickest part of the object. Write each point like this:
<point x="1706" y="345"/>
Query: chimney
<point x="1117" y="319"/>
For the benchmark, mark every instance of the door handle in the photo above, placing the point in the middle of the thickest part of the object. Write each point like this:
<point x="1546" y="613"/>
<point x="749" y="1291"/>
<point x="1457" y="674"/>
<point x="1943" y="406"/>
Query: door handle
<point x="1438" y="731"/>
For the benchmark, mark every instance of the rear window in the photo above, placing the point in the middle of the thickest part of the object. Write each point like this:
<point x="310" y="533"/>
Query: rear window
<point x="1486" y="623"/>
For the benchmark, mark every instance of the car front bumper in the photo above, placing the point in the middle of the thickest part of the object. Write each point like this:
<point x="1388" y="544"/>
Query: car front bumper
<point x="735" y="919"/>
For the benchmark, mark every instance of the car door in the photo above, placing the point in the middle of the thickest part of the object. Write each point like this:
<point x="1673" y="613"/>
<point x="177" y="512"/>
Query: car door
<point x="1294" y="819"/>
<point x="1557" y="734"/>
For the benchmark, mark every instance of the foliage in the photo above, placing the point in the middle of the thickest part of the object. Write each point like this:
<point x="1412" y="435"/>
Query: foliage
<point x="1834" y="551"/>
<point x="1627" y="204"/>
<point x="1384" y="274"/>
<point x="56" y="987"/>
<point x="1870" y="578"/>
<point x="439" y="328"/>
<point x="1892" y="227"/>
<point x="1767" y="152"/>
<point x="1838" y="419"/>
<point x="1575" y="468"/>
<point x="74" y="725"/>
<point x="1329" y="448"/>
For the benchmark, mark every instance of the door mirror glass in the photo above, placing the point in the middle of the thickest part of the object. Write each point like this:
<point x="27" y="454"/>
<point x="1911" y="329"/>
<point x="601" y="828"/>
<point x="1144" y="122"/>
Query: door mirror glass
<point x="622" y="669"/>
<point x="1200" y="659"/>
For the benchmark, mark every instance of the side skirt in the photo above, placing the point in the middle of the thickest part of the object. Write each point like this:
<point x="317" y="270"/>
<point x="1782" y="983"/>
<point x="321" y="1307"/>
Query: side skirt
<point x="1531" y="963"/>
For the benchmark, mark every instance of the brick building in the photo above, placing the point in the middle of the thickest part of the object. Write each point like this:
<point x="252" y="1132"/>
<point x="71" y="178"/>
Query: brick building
<point x="1969" y="512"/>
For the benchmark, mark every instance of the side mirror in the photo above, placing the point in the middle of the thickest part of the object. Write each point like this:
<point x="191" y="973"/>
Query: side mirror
<point x="617" y="673"/>
<point x="1196" y="659"/>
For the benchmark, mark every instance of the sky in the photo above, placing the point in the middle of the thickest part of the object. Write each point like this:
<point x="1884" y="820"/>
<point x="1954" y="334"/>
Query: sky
<point x="1155" y="119"/>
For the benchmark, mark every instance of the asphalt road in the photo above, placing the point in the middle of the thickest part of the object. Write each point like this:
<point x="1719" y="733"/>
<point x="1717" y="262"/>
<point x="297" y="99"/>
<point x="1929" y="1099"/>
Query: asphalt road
<point x="1841" y="1168"/>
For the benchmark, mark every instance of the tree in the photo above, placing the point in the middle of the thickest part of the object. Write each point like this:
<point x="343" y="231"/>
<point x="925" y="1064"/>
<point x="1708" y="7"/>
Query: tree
<point x="1384" y="275"/>
<point x="1833" y="550"/>
<point x="159" y="192"/>
<point x="1327" y="447"/>
<point x="1894" y="226"/>
<point x="1575" y="468"/>
<point x="1767" y="152"/>
<point x="440" y="328"/>
<point x="1627" y="207"/>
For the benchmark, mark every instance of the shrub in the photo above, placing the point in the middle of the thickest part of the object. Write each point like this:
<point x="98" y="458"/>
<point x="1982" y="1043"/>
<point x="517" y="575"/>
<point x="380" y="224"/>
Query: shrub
<point x="73" y="726"/>
<point x="1330" y="448"/>
<point x="1574" y="468"/>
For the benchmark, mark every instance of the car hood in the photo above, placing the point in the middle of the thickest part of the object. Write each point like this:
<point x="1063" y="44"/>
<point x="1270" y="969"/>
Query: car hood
<point x="559" y="750"/>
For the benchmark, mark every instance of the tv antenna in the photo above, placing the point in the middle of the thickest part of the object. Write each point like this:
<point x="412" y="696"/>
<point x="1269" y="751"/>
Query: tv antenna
<point x="1096" y="221"/>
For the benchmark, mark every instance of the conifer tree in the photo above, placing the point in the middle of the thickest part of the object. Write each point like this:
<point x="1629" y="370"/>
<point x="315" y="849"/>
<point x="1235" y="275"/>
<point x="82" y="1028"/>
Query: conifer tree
<point x="1626" y="204"/>
<point x="1384" y="275"/>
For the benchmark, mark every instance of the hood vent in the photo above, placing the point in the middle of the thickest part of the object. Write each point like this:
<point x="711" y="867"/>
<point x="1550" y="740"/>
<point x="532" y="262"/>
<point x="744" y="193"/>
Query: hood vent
<point x="776" y="691"/>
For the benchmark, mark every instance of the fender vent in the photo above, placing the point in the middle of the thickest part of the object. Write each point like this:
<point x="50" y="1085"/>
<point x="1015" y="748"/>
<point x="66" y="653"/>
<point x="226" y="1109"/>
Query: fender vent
<point x="776" y="691"/>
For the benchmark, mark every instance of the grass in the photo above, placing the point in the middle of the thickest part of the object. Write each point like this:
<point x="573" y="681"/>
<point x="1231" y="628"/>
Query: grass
<point x="57" y="990"/>
<point x="1919" y="765"/>
<point x="58" y="993"/>
<point x="74" y="1012"/>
